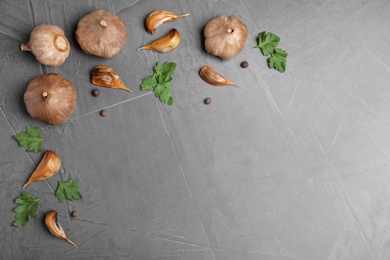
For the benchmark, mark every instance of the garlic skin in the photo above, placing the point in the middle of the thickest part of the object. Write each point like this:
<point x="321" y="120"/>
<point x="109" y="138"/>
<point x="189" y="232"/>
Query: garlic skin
<point x="213" y="78"/>
<point x="54" y="226"/>
<point x="48" y="166"/>
<point x="48" y="44"/>
<point x="50" y="98"/>
<point x="105" y="76"/>
<point x="159" y="17"/>
<point x="225" y="36"/>
<point x="165" y="44"/>
<point x="101" y="33"/>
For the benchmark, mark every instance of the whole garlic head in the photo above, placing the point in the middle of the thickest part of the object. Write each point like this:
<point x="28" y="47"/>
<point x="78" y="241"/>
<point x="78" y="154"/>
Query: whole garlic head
<point x="48" y="44"/>
<point x="50" y="98"/>
<point x="225" y="36"/>
<point x="101" y="33"/>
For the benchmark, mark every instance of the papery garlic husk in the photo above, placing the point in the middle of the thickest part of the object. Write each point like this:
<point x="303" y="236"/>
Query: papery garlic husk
<point x="54" y="226"/>
<point x="48" y="44"/>
<point x="48" y="166"/>
<point x="225" y="36"/>
<point x="156" y="18"/>
<point x="101" y="33"/>
<point x="213" y="78"/>
<point x="165" y="44"/>
<point x="105" y="76"/>
<point x="51" y="98"/>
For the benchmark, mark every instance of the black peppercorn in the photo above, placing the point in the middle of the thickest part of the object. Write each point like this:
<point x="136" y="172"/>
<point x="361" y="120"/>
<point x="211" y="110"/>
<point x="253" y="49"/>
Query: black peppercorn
<point x="104" y="112"/>
<point x="244" y="64"/>
<point x="207" y="101"/>
<point x="95" y="92"/>
<point x="75" y="214"/>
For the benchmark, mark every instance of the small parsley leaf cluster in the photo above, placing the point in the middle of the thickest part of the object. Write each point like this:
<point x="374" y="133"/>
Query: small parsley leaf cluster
<point x="267" y="43"/>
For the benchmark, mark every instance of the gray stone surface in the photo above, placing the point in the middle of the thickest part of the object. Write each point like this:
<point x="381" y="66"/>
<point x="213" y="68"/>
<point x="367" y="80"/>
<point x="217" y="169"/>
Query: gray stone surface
<point x="289" y="166"/>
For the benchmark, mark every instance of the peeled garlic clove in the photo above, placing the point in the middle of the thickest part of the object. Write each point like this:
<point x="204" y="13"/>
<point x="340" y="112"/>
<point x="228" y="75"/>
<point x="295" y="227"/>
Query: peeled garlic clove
<point x="49" y="165"/>
<point x="105" y="76"/>
<point x="165" y="44"/>
<point x="48" y="44"/>
<point x="213" y="78"/>
<point x="52" y="224"/>
<point x="157" y="18"/>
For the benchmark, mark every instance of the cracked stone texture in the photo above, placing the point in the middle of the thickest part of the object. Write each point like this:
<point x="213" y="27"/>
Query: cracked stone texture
<point x="289" y="166"/>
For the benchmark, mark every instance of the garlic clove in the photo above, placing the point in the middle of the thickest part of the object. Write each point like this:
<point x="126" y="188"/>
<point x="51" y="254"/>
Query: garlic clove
<point x="54" y="226"/>
<point x="213" y="78"/>
<point x="105" y="76"/>
<point x="48" y="44"/>
<point x="157" y="18"/>
<point x="48" y="166"/>
<point x="167" y="43"/>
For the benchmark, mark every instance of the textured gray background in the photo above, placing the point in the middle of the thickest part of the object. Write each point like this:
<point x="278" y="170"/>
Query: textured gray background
<point x="287" y="167"/>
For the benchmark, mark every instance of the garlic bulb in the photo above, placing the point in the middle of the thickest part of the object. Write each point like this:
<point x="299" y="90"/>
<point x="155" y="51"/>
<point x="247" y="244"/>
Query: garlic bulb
<point x="48" y="44"/>
<point x="101" y="33"/>
<point x="51" y="98"/>
<point x="225" y="36"/>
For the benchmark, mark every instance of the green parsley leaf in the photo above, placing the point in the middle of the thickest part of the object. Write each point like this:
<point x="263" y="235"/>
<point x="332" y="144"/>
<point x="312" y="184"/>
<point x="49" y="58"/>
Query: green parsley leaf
<point x="158" y="90"/>
<point x="267" y="42"/>
<point x="68" y="190"/>
<point x="166" y="97"/>
<point x="149" y="83"/>
<point x="160" y="81"/>
<point x="27" y="206"/>
<point x="278" y="60"/>
<point x="30" y="139"/>
<point x="166" y="71"/>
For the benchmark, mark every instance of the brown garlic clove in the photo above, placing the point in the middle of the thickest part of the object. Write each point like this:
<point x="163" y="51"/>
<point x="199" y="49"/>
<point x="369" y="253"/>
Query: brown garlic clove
<point x="52" y="224"/>
<point x="51" y="98"/>
<point x="105" y="76"/>
<point x="157" y="18"/>
<point x="101" y="33"/>
<point x="165" y="44"/>
<point x="213" y="78"/>
<point x="49" y="165"/>
<point x="48" y="44"/>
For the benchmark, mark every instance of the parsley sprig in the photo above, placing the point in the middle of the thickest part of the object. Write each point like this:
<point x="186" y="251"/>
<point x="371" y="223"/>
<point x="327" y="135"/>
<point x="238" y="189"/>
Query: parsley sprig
<point x="68" y="190"/>
<point x="160" y="81"/>
<point x="267" y="43"/>
<point x="27" y="205"/>
<point x="30" y="139"/>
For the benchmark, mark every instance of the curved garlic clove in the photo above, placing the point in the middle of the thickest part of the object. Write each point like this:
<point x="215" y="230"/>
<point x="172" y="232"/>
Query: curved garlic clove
<point x="165" y="44"/>
<point x="213" y="78"/>
<point x="105" y="76"/>
<point x="157" y="18"/>
<point x="48" y="166"/>
<point x="52" y="224"/>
